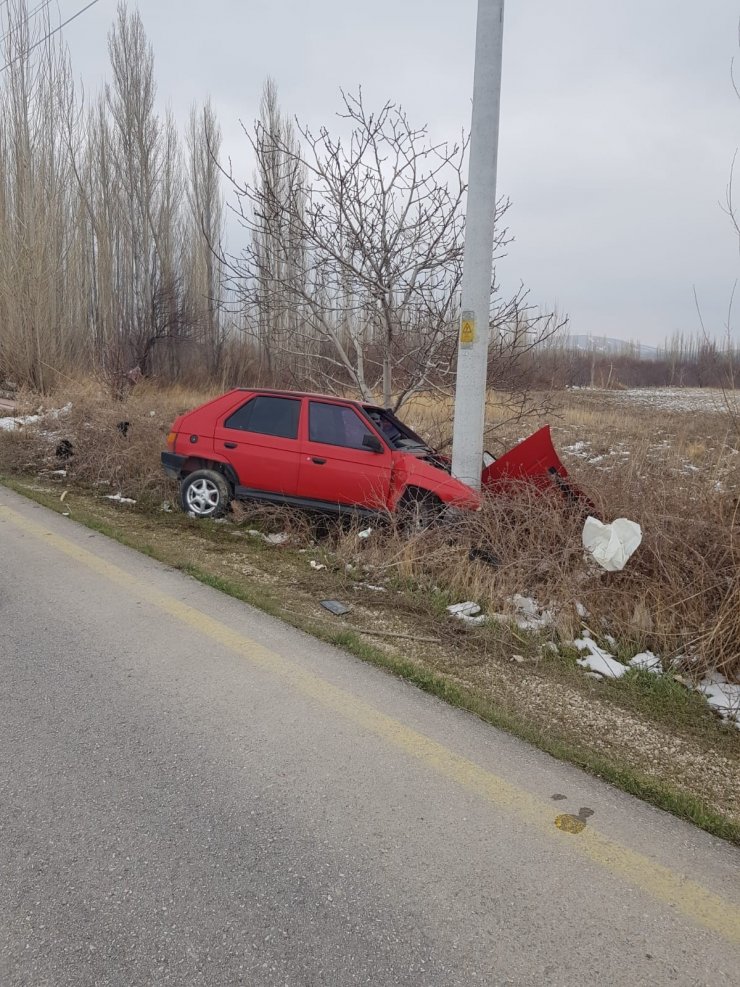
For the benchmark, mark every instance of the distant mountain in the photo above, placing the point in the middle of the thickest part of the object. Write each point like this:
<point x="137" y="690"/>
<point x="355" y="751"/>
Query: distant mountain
<point x="606" y="346"/>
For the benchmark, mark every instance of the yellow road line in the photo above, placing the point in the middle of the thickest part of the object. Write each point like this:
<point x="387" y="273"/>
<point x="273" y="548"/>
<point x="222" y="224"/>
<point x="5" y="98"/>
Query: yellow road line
<point x="688" y="897"/>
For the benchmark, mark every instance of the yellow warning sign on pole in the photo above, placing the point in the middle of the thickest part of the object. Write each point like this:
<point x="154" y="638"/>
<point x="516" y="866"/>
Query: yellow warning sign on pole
<point x="467" y="329"/>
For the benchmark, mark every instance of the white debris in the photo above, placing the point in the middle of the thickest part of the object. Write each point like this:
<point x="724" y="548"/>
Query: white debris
<point x="581" y="610"/>
<point x="474" y="621"/>
<point x="166" y="507"/>
<point x="119" y="498"/>
<point x="469" y="609"/>
<point x="58" y="472"/>
<point x="375" y="589"/>
<point x="11" y="424"/>
<point x="317" y="565"/>
<point x="468" y="613"/>
<point x="646" y="661"/>
<point x="611" y="545"/>
<point x="530" y="616"/>
<point x="365" y="533"/>
<point x="599" y="661"/>
<point x="277" y="539"/>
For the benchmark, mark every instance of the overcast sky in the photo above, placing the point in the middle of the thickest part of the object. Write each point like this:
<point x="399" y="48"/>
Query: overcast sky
<point x="618" y="126"/>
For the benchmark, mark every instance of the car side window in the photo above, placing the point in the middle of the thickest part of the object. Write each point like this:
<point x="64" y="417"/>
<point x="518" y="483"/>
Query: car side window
<point x="336" y="425"/>
<point x="267" y="415"/>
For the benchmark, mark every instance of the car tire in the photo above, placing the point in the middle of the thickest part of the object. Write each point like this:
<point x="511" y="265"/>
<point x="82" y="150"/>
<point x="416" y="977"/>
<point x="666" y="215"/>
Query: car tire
<point x="419" y="511"/>
<point x="205" y="494"/>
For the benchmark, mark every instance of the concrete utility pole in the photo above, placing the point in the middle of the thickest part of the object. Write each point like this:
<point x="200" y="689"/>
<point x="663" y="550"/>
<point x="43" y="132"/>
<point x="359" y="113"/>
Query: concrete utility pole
<point x="472" y="356"/>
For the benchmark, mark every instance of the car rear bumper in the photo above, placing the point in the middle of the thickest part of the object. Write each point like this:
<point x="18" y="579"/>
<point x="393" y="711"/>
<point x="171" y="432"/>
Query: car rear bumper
<point x="172" y="464"/>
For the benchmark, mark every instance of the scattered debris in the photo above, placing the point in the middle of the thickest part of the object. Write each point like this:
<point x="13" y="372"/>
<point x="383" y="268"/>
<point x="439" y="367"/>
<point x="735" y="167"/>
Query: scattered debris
<point x="58" y="473"/>
<point x="119" y="498"/>
<point x="611" y="545"/>
<point x="11" y="424"/>
<point x="335" y="607"/>
<point x="277" y="539"/>
<point x="581" y="610"/>
<point x="413" y="637"/>
<point x="483" y="555"/>
<point x="529" y="615"/>
<point x="123" y="428"/>
<point x="376" y="589"/>
<point x="365" y="533"/>
<point x="166" y="507"/>
<point x="317" y="565"/>
<point x="519" y="659"/>
<point x="64" y="494"/>
<point x="470" y="609"/>
<point x="65" y="450"/>
<point x="468" y="613"/>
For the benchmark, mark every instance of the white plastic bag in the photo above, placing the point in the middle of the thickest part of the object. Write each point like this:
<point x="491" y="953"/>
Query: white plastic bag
<point x="611" y="545"/>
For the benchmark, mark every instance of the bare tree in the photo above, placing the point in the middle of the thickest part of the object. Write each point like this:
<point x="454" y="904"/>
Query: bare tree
<point x="205" y="226"/>
<point x="368" y="248"/>
<point x="37" y="208"/>
<point x="146" y="169"/>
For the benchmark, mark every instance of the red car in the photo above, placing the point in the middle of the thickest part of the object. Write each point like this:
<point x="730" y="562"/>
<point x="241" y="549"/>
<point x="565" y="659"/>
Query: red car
<point x="324" y="453"/>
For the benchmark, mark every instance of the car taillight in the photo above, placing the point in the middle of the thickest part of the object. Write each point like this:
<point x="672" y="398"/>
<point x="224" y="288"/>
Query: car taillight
<point x="171" y="440"/>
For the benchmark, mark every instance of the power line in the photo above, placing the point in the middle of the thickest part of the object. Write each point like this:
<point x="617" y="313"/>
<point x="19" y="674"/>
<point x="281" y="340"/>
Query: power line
<point x="50" y="34"/>
<point x="44" y="3"/>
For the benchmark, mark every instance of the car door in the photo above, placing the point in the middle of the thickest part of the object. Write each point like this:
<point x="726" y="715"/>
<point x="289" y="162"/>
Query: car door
<point x="260" y="440"/>
<point x="335" y="466"/>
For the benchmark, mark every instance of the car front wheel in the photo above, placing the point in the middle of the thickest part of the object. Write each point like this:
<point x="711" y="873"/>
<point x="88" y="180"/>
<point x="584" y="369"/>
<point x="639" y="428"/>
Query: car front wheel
<point x="419" y="511"/>
<point x="205" y="494"/>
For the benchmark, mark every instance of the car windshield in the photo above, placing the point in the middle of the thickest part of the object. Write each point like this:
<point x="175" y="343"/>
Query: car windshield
<point x="396" y="433"/>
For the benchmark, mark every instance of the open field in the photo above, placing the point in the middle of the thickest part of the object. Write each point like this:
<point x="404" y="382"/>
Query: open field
<point x="675" y="472"/>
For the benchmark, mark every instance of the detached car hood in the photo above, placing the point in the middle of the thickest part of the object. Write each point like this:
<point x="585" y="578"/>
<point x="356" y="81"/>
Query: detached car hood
<point x="533" y="461"/>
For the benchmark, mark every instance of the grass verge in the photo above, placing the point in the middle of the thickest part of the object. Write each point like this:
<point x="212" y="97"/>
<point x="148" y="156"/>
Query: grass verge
<point x="161" y="538"/>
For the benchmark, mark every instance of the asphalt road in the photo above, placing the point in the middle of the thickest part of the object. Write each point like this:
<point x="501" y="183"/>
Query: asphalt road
<point x="193" y="793"/>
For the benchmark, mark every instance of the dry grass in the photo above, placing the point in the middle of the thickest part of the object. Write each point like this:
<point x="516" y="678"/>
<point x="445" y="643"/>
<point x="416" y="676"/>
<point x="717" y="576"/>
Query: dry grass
<point x="676" y="473"/>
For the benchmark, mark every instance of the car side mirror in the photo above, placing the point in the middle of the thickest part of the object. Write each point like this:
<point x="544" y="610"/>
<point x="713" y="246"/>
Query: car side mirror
<point x="372" y="442"/>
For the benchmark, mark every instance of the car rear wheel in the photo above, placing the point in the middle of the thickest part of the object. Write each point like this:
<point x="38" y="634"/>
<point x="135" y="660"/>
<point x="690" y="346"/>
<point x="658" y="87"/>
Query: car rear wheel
<point x="205" y="494"/>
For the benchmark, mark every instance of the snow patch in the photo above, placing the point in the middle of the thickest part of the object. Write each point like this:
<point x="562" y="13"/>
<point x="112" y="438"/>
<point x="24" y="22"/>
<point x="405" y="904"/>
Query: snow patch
<point x="598" y="660"/>
<point x="646" y="661"/>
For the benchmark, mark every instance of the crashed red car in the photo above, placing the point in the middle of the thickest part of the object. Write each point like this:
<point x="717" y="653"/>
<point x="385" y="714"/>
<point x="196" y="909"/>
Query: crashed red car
<point x="327" y="454"/>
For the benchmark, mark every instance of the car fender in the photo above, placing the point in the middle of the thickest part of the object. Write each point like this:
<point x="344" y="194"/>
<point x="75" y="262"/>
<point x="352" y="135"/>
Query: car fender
<point x="411" y="472"/>
<point x="208" y="460"/>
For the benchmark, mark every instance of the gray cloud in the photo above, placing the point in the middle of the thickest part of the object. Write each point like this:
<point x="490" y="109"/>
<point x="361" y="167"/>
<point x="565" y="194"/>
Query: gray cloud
<point x="618" y="124"/>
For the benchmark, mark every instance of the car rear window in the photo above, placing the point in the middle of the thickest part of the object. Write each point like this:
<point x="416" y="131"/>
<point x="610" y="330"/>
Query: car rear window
<point x="267" y="416"/>
<point x="335" y="425"/>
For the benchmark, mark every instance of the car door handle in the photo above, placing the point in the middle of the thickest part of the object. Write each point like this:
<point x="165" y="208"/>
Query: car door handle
<point x="230" y="445"/>
<point x="318" y="460"/>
